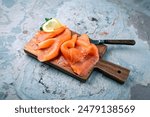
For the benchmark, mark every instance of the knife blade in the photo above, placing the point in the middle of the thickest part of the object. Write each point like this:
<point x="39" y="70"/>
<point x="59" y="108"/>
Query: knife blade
<point x="121" y="42"/>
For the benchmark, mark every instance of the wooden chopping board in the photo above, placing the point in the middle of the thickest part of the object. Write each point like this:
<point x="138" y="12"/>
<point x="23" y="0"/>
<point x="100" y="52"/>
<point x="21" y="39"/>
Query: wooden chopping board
<point x="109" y="69"/>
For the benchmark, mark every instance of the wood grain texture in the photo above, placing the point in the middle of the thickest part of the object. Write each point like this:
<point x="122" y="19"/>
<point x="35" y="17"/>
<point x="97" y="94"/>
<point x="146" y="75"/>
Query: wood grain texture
<point x="114" y="71"/>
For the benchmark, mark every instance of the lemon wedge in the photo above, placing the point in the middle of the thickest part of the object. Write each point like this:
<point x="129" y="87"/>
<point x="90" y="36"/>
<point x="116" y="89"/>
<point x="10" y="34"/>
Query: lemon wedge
<point x="51" y="25"/>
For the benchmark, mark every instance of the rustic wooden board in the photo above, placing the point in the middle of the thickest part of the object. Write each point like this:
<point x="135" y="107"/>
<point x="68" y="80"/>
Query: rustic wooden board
<point x="114" y="71"/>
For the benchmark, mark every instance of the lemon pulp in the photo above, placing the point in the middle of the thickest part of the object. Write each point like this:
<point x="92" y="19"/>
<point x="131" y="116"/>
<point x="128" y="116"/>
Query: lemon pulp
<point x="51" y="25"/>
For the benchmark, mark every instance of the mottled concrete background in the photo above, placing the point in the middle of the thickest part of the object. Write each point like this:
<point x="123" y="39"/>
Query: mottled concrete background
<point x="22" y="77"/>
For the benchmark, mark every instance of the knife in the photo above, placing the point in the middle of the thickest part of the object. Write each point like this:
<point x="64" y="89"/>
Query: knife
<point x="121" y="42"/>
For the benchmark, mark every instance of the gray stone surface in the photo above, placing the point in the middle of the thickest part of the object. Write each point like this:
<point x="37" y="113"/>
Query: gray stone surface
<point x="22" y="77"/>
<point x="140" y="92"/>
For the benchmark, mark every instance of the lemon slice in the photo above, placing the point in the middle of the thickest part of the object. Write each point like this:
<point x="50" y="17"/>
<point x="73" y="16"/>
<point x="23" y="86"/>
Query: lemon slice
<point x="51" y="25"/>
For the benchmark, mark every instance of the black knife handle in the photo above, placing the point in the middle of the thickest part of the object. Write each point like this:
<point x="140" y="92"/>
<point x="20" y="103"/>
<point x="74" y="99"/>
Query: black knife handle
<point x="122" y="42"/>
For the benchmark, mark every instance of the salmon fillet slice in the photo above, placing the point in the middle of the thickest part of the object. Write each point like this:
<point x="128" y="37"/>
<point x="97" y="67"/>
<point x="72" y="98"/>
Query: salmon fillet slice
<point x="53" y="50"/>
<point x="42" y="36"/>
<point x="80" y="54"/>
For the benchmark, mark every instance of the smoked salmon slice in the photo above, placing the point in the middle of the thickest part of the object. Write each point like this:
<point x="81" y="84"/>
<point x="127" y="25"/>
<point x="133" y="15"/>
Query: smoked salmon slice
<point x="80" y="54"/>
<point x="42" y="36"/>
<point x="84" y="66"/>
<point x="45" y="44"/>
<point x="69" y="51"/>
<point x="54" y="46"/>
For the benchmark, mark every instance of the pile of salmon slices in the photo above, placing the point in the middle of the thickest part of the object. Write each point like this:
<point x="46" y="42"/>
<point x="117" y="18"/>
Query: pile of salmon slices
<point x="77" y="51"/>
